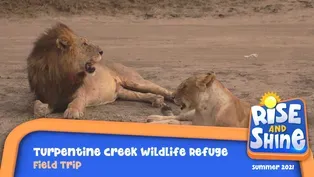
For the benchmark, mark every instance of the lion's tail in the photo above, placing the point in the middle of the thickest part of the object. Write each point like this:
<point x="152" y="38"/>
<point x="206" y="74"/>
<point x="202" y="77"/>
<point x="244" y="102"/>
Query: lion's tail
<point x="167" y="110"/>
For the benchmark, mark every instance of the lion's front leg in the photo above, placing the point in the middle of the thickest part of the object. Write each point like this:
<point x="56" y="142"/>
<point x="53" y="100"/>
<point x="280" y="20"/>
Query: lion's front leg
<point x="155" y="118"/>
<point x="76" y="108"/>
<point x="187" y="116"/>
<point x="169" y="121"/>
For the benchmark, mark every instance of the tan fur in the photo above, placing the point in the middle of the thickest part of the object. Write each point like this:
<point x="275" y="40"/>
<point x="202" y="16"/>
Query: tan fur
<point x="58" y="76"/>
<point x="205" y="101"/>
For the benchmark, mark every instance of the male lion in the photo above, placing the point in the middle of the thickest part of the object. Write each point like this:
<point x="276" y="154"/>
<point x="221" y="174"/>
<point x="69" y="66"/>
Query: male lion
<point x="205" y="101"/>
<point x="64" y="72"/>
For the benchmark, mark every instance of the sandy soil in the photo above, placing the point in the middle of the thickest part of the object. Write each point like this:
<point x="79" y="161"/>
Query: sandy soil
<point x="167" y="51"/>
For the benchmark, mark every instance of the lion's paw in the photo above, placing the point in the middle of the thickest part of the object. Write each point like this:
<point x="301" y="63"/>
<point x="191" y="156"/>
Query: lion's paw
<point x="158" y="101"/>
<point x="41" y="109"/>
<point x="153" y="118"/>
<point x="73" y="113"/>
<point x="169" y="121"/>
<point x="170" y="96"/>
<point x="173" y="122"/>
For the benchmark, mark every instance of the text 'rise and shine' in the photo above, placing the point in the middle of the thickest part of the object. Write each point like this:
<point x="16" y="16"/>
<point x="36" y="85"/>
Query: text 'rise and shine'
<point x="262" y="116"/>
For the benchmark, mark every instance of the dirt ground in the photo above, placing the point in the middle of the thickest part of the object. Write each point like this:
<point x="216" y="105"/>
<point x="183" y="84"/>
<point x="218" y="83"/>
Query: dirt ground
<point x="167" y="48"/>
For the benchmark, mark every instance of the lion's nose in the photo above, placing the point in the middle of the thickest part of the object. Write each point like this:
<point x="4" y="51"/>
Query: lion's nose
<point x="101" y="52"/>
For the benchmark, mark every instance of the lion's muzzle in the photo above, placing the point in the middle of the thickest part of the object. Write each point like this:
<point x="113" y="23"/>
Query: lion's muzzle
<point x="89" y="67"/>
<point x="96" y="59"/>
<point x="177" y="101"/>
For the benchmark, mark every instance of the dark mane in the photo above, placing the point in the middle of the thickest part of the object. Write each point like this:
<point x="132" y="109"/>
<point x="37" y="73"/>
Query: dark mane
<point x="51" y="73"/>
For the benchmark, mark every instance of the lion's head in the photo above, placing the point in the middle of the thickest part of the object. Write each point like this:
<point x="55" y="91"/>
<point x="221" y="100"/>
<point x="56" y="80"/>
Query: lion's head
<point x="58" y="63"/>
<point x="61" y="46"/>
<point x="188" y="93"/>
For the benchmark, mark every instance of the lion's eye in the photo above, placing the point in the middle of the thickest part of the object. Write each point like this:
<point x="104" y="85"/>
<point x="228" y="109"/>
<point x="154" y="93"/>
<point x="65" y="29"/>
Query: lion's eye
<point x="84" y="43"/>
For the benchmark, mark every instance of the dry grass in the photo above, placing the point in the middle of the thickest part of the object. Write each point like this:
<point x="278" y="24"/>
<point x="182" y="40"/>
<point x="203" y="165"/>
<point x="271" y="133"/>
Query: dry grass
<point x="149" y="8"/>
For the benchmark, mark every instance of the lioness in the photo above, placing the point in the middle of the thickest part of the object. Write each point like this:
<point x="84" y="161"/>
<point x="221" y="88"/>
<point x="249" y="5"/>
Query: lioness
<point x="205" y="101"/>
<point x="65" y="73"/>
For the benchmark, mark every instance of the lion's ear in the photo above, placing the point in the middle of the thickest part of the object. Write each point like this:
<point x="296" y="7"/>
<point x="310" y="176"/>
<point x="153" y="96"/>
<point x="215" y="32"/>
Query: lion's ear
<point x="209" y="79"/>
<point x="206" y="82"/>
<point x="63" y="43"/>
